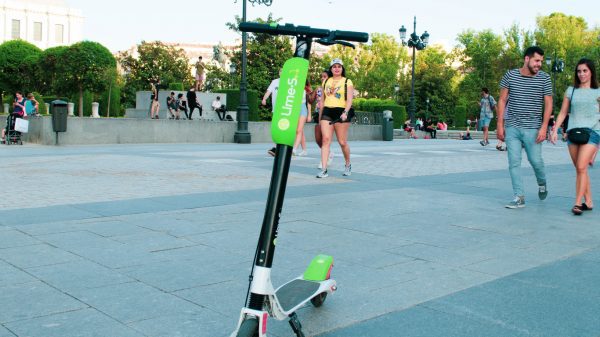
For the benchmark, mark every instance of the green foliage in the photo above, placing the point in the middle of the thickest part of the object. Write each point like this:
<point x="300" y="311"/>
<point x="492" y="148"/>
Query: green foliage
<point x="266" y="55"/>
<point x="19" y="68"/>
<point x="358" y="103"/>
<point x="88" y="98"/>
<point x="176" y="86"/>
<point x="153" y="60"/>
<point x="115" y="102"/>
<point x="233" y="102"/>
<point x="50" y="63"/>
<point x="459" y="119"/>
<point x="217" y="78"/>
<point x="86" y="66"/>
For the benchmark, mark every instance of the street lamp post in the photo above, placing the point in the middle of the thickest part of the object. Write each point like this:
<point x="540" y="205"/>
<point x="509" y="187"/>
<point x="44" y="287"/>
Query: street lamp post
<point x="396" y="92"/>
<point x="416" y="43"/>
<point x="427" y="107"/>
<point x="242" y="135"/>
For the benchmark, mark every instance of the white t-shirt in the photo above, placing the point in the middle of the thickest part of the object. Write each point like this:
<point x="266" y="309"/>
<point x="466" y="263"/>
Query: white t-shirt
<point x="273" y="88"/>
<point x="216" y="104"/>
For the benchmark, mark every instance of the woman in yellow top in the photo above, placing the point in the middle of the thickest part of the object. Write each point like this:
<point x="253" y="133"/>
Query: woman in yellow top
<point x="334" y="106"/>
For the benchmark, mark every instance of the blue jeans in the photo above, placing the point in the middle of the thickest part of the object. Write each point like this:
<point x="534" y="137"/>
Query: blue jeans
<point x="516" y="139"/>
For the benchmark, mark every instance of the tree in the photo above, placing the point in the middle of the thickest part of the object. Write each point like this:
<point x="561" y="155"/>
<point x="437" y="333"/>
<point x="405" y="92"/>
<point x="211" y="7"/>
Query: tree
<point x="266" y="55"/>
<point x="379" y="65"/>
<point x="84" y="66"/>
<point x="19" y="66"/>
<point x="434" y="80"/>
<point x="154" y="60"/>
<point x="49" y="63"/>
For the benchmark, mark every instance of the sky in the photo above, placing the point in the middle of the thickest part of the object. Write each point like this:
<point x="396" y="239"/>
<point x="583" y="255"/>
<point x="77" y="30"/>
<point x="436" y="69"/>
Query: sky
<point x="119" y="24"/>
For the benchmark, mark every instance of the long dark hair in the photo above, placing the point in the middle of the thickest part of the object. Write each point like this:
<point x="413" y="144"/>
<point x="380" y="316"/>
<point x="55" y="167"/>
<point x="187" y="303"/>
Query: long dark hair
<point x="590" y="64"/>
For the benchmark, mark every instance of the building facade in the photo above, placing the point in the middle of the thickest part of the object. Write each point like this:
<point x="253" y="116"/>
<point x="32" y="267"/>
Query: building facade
<point x="44" y="23"/>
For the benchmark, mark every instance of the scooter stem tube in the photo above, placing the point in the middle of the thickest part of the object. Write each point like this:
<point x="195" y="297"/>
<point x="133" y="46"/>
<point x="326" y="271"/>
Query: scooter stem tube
<point x="283" y="132"/>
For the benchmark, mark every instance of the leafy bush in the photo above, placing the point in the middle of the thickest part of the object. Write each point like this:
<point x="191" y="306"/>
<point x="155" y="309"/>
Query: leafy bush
<point x="358" y="103"/>
<point x="176" y="86"/>
<point x="233" y="102"/>
<point x="460" y="116"/>
<point x="115" y="103"/>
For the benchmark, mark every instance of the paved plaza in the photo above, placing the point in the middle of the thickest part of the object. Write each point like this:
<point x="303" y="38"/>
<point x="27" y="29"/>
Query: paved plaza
<point x="158" y="240"/>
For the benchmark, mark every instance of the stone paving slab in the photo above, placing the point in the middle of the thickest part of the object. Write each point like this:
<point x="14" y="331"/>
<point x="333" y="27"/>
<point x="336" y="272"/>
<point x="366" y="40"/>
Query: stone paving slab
<point x="157" y="240"/>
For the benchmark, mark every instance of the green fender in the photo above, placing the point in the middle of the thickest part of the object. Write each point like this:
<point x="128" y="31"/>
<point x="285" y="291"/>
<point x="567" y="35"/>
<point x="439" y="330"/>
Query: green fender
<point x="319" y="268"/>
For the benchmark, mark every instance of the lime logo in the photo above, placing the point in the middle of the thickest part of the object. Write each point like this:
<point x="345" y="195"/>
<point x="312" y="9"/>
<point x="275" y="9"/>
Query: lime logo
<point x="283" y="124"/>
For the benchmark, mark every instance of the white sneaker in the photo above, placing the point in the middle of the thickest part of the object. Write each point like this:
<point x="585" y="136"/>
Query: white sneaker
<point x="347" y="170"/>
<point x="323" y="174"/>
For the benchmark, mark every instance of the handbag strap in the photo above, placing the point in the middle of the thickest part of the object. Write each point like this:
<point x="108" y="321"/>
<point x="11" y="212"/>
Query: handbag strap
<point x="571" y="99"/>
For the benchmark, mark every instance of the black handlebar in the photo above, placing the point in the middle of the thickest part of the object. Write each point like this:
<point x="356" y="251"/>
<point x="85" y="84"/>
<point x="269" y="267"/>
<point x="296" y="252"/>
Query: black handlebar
<point x="289" y="29"/>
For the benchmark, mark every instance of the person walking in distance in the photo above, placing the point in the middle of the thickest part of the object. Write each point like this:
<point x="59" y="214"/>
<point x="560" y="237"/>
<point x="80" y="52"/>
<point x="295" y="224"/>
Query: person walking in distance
<point x="487" y="105"/>
<point x="526" y="94"/>
<point x="338" y="92"/>
<point x="581" y="103"/>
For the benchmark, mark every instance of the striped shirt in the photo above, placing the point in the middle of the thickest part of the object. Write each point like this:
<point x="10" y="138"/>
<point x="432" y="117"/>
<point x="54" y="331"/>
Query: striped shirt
<point x="525" y="106"/>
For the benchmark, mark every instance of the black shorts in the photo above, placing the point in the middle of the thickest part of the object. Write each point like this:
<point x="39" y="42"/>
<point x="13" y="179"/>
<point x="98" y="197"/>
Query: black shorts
<point x="331" y="114"/>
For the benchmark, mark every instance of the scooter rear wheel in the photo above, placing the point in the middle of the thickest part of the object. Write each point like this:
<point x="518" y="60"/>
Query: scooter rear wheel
<point x="318" y="300"/>
<point x="248" y="328"/>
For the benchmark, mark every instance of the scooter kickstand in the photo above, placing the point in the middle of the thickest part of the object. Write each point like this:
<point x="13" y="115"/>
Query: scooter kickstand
<point x="296" y="326"/>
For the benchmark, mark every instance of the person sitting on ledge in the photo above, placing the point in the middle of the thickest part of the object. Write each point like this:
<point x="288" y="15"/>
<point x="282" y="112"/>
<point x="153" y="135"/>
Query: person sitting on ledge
<point x="219" y="108"/>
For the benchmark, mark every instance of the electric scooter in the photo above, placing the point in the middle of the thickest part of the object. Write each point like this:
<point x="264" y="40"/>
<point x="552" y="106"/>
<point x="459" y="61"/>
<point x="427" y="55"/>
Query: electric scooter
<point x="262" y="299"/>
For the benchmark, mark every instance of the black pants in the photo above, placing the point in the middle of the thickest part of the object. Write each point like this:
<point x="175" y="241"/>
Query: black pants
<point x="194" y="106"/>
<point x="185" y="111"/>
<point x="432" y="132"/>
<point x="221" y="112"/>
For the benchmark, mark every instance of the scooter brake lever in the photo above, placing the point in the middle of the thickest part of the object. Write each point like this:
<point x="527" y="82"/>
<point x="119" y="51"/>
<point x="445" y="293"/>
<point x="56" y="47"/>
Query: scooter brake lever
<point x="346" y="43"/>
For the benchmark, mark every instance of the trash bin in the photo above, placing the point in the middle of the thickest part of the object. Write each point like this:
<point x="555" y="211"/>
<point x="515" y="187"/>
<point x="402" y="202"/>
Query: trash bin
<point x="387" y="126"/>
<point x="59" y="111"/>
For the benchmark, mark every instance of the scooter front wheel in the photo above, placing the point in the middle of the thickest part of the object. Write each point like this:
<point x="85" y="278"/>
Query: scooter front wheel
<point x="318" y="300"/>
<point x="248" y="328"/>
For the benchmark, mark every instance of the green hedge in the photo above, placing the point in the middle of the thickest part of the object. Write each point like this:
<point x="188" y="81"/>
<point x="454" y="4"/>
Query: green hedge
<point x="176" y="86"/>
<point x="115" y="102"/>
<point x="233" y="102"/>
<point x="460" y="116"/>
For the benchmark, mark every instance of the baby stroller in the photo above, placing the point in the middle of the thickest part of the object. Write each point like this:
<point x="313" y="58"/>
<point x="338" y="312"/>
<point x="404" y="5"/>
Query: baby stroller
<point x="12" y="136"/>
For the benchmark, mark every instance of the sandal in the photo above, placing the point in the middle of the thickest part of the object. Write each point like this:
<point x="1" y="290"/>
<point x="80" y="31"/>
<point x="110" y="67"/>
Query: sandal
<point x="585" y="207"/>
<point x="577" y="210"/>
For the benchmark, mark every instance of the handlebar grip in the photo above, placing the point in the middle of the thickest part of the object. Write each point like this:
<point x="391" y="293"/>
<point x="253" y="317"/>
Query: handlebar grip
<point x="350" y="36"/>
<point x="255" y="27"/>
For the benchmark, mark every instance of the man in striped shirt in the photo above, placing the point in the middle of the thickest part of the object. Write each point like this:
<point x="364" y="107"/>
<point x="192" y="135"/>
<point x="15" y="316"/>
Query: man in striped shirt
<point x="526" y="94"/>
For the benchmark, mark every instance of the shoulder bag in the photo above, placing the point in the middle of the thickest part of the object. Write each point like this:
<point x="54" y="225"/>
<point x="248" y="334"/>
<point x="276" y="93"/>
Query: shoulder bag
<point x="577" y="136"/>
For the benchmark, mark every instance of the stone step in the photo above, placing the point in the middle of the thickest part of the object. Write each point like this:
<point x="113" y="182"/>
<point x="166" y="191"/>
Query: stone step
<point x="447" y="134"/>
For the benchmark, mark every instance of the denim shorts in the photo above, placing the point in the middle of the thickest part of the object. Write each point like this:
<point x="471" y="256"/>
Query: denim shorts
<point x="594" y="138"/>
<point x="484" y="122"/>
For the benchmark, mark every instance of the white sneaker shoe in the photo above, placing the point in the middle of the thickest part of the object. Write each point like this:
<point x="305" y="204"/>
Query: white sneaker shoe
<point x="323" y="174"/>
<point x="347" y="170"/>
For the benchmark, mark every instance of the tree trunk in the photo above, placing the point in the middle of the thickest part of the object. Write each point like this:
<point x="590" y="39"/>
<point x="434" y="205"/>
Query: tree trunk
<point x="80" y="101"/>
